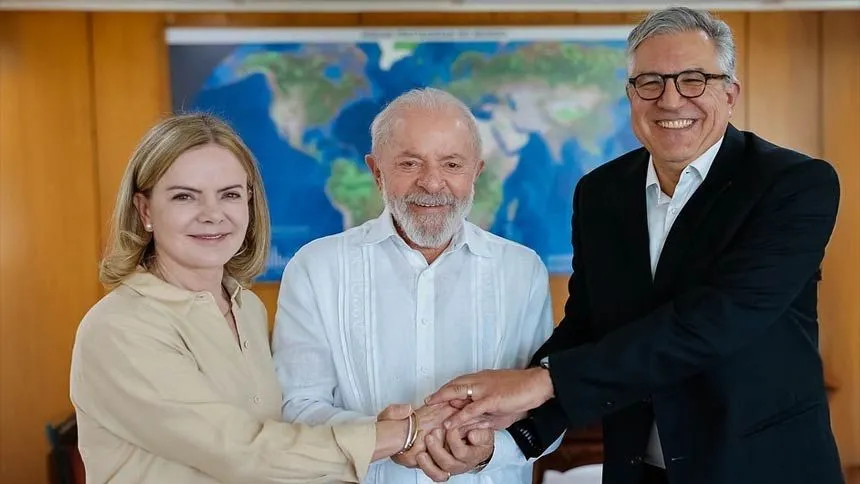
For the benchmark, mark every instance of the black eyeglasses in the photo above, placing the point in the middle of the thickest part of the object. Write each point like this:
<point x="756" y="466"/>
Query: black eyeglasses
<point x="690" y="84"/>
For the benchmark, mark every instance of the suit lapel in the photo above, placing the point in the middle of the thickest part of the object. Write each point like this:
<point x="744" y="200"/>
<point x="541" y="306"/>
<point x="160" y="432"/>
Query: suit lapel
<point x="633" y="221"/>
<point x="694" y="213"/>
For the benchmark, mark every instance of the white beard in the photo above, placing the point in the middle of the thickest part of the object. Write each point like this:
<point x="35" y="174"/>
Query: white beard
<point x="429" y="231"/>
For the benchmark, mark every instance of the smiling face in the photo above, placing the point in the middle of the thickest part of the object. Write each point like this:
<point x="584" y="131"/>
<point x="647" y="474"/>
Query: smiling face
<point x="677" y="130"/>
<point x="198" y="211"/>
<point x="426" y="173"/>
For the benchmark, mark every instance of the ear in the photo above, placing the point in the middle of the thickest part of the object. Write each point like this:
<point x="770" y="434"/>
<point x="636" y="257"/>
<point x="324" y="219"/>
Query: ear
<point x="141" y="203"/>
<point x="480" y="169"/>
<point x="373" y="166"/>
<point x="733" y="92"/>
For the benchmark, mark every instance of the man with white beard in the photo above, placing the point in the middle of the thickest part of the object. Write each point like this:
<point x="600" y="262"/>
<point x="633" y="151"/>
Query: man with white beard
<point x="387" y="311"/>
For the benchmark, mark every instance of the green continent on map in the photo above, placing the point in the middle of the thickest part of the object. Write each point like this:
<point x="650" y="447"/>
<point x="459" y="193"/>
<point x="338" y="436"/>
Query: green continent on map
<point x="552" y="64"/>
<point x="353" y="192"/>
<point x="488" y="197"/>
<point x="555" y="89"/>
<point x="547" y="112"/>
<point x="305" y="95"/>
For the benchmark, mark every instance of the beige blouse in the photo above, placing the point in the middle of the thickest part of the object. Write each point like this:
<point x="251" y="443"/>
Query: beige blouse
<point x="164" y="393"/>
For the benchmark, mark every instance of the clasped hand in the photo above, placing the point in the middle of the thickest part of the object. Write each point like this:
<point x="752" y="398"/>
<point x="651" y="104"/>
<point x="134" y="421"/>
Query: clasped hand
<point x="441" y="453"/>
<point x="458" y="421"/>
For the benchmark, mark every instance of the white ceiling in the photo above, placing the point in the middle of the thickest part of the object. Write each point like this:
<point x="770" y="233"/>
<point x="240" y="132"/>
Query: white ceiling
<point x="419" y="5"/>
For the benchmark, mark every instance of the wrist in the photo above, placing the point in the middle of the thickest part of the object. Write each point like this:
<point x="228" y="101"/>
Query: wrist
<point x="411" y="435"/>
<point x="390" y="435"/>
<point x="547" y="385"/>
<point x="483" y="464"/>
<point x="543" y="382"/>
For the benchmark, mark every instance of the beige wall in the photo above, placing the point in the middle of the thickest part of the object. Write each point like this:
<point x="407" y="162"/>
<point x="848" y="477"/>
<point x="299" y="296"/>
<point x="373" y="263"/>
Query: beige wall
<point x="77" y="90"/>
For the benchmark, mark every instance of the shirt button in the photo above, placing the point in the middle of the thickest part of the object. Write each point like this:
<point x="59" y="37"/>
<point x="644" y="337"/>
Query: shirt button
<point x="245" y="344"/>
<point x="201" y="297"/>
<point x="257" y="399"/>
<point x="424" y="321"/>
<point x="636" y="460"/>
<point x="673" y="210"/>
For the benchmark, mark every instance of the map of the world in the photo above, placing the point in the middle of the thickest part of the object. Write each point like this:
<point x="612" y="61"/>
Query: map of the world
<point x="550" y="104"/>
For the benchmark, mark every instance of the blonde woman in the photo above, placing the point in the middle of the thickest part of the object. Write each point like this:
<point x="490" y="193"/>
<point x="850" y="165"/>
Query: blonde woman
<point x="172" y="378"/>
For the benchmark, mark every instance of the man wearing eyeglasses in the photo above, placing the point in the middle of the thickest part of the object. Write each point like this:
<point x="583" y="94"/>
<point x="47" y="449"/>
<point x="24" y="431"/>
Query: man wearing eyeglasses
<point x="691" y="325"/>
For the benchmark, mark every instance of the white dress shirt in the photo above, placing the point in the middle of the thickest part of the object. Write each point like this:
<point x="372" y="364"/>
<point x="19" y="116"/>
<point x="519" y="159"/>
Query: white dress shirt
<point x="363" y="322"/>
<point x="662" y="210"/>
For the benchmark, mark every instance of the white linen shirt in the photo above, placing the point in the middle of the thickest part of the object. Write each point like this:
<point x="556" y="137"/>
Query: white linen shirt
<point x="363" y="322"/>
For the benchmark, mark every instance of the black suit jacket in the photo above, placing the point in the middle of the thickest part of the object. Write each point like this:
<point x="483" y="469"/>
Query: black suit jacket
<point x="721" y="346"/>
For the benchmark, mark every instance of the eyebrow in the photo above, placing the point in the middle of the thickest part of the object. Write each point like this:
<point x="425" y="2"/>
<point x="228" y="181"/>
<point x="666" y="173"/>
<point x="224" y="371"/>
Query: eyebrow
<point x="408" y="154"/>
<point x="689" y="69"/>
<point x="180" y="187"/>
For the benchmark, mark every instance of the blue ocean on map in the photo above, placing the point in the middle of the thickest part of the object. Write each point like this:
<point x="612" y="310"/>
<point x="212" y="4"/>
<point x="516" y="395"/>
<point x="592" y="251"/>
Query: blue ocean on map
<point x="549" y="111"/>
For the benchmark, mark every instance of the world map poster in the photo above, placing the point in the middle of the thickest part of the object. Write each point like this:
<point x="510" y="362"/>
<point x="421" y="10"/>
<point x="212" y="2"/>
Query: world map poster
<point x="550" y="105"/>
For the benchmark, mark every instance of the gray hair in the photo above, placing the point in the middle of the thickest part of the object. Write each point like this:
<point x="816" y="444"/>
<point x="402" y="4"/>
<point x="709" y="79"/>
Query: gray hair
<point x="675" y="20"/>
<point x="426" y="99"/>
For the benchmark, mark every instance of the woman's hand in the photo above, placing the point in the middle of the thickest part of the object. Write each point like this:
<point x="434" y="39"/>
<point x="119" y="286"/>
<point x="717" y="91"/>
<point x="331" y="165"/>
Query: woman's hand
<point x="392" y="425"/>
<point x="430" y="417"/>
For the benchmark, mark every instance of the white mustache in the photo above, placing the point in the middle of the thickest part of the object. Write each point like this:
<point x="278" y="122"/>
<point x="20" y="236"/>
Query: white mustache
<point x="428" y="230"/>
<point x="429" y="199"/>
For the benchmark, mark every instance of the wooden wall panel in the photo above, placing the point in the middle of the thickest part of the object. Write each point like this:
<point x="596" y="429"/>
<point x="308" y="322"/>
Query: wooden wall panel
<point x="465" y="19"/>
<point x="48" y="231"/>
<point x="130" y="76"/>
<point x="840" y="287"/>
<point x="604" y="18"/>
<point x="852" y="475"/>
<point x="268" y="293"/>
<point x="298" y="19"/>
<point x="783" y="84"/>
<point x="558" y="291"/>
<point x="738" y="22"/>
